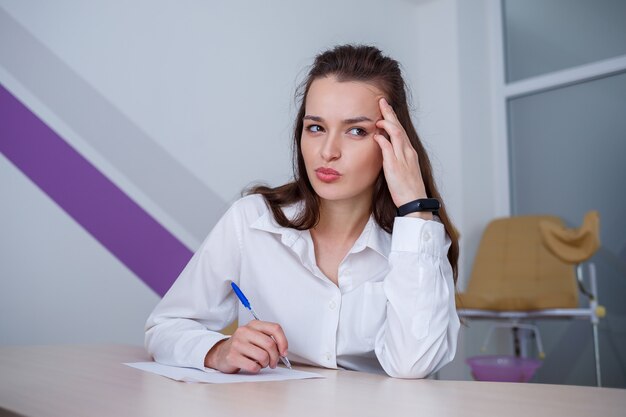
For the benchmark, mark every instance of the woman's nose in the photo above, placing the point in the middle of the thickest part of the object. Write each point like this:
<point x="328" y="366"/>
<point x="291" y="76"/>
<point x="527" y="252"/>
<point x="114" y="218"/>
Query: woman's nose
<point x="331" y="149"/>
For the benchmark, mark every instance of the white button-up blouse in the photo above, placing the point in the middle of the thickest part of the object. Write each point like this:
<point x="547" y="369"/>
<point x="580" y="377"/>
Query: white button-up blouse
<point x="393" y="309"/>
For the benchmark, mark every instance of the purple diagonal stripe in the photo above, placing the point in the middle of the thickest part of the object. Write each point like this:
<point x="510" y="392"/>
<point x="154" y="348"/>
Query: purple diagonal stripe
<point x="98" y="205"/>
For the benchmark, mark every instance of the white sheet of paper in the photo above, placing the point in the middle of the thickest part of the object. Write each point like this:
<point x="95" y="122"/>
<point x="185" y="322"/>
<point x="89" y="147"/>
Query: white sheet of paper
<point x="216" y="377"/>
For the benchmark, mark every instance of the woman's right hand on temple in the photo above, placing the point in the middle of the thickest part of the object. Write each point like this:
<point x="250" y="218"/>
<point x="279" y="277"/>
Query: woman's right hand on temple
<point x="250" y="349"/>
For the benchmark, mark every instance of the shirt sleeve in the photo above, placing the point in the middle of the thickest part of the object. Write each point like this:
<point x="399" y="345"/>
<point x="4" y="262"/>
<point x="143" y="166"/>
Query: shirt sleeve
<point x="185" y="324"/>
<point x="420" y="331"/>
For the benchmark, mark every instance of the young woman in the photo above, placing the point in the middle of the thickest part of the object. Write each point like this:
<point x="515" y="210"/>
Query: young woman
<point x="350" y="265"/>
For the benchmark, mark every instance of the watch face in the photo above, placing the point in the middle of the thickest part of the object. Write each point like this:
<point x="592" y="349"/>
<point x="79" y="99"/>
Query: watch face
<point x="428" y="204"/>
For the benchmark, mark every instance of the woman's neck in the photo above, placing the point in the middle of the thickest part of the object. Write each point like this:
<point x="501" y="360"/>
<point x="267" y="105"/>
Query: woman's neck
<point x="343" y="220"/>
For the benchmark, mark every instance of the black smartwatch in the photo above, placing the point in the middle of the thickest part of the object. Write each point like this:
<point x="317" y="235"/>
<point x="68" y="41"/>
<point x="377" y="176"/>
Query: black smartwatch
<point x="421" y="204"/>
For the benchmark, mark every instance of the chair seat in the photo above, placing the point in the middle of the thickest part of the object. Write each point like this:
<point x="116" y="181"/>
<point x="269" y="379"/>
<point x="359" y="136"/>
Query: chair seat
<point x="519" y="302"/>
<point x="554" y="313"/>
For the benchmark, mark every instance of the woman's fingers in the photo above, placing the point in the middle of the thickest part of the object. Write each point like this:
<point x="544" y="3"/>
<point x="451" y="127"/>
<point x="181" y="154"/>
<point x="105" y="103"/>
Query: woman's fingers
<point x="395" y="136"/>
<point x="251" y="348"/>
<point x="273" y="330"/>
<point x="387" y="110"/>
<point x="387" y="148"/>
<point x="384" y="144"/>
<point x="394" y="128"/>
<point x="255" y="346"/>
<point x="263" y="342"/>
<point x="246" y="356"/>
<point x="400" y="159"/>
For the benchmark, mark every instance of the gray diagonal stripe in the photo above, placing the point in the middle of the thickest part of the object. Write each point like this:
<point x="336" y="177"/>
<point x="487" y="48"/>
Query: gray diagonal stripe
<point x="170" y="185"/>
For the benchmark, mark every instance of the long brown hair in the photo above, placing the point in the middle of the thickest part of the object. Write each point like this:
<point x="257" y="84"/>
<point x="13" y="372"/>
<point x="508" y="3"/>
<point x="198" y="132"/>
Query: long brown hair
<point x="366" y="64"/>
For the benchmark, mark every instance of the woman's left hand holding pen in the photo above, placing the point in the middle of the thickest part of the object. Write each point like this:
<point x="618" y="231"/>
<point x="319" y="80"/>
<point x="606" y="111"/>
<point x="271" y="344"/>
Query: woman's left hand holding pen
<point x="250" y="348"/>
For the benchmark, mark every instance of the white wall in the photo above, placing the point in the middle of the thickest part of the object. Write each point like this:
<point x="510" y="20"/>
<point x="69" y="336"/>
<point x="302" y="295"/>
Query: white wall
<point x="211" y="84"/>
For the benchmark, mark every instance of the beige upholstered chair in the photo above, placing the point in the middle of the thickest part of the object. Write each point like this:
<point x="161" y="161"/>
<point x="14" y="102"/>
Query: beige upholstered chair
<point x="529" y="267"/>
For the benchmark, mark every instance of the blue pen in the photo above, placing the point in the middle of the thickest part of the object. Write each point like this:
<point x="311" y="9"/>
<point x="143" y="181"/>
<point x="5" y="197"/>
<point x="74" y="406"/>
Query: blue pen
<point x="247" y="305"/>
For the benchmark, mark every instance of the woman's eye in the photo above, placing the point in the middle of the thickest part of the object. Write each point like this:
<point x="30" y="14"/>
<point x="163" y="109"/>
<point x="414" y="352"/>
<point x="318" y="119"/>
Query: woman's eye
<point x="314" y="128"/>
<point x="357" y="131"/>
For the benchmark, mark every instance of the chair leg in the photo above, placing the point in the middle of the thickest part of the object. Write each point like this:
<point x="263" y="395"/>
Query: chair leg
<point x="516" y="342"/>
<point x="594" y="320"/>
<point x="596" y="349"/>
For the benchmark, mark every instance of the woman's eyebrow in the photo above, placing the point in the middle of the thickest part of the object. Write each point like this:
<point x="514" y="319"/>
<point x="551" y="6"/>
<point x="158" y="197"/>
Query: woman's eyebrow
<point x="357" y="120"/>
<point x="352" y="120"/>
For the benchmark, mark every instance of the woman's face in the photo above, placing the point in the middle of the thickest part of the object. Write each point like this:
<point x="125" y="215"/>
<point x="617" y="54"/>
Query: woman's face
<point x="341" y="157"/>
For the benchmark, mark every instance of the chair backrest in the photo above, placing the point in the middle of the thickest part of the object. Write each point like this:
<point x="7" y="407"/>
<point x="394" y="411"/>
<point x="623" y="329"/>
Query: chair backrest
<point x="513" y="270"/>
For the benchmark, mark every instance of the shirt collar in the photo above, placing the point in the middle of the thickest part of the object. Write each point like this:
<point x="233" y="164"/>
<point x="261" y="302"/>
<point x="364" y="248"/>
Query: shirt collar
<point x="373" y="236"/>
<point x="266" y="222"/>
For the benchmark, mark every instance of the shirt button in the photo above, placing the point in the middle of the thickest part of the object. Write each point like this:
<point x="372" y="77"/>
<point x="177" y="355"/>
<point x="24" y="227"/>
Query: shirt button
<point x="332" y="305"/>
<point x="328" y="356"/>
<point x="426" y="236"/>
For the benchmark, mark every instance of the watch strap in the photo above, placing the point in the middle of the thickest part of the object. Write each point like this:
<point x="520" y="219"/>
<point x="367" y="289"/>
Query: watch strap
<point x="421" y="204"/>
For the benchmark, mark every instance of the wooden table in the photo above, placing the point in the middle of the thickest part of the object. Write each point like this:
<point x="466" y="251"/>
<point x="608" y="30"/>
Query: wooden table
<point x="92" y="381"/>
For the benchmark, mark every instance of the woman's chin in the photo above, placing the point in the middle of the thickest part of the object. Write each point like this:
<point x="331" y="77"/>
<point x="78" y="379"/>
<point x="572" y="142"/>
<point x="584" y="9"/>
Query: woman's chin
<point x="337" y="194"/>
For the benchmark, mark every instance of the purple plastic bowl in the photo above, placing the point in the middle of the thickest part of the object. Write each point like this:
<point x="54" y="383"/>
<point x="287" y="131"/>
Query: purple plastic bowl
<point x="503" y="368"/>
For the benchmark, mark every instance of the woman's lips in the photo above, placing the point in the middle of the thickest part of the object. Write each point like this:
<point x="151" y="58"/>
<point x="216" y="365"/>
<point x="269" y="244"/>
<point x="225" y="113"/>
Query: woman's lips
<point x="327" y="174"/>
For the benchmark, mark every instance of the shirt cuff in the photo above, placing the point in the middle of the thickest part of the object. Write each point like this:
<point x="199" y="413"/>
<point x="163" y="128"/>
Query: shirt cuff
<point x="198" y="354"/>
<point x="412" y="234"/>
